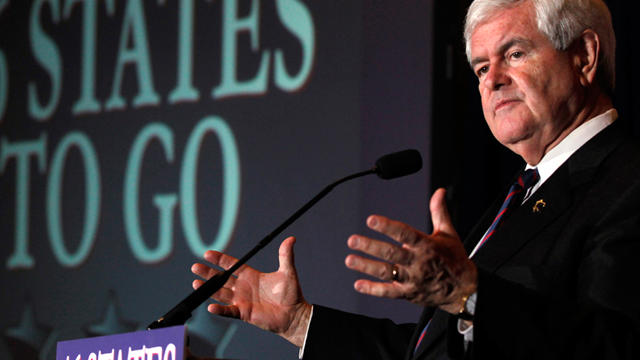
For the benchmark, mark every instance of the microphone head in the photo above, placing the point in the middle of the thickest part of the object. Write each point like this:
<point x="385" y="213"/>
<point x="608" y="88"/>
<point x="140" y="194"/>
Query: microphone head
<point x="399" y="164"/>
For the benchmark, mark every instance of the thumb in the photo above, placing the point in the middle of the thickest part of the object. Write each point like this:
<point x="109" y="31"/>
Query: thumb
<point x="440" y="214"/>
<point x="285" y="255"/>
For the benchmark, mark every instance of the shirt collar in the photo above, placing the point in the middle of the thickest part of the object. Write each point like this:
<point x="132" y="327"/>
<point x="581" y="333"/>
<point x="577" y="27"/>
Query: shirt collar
<point x="552" y="160"/>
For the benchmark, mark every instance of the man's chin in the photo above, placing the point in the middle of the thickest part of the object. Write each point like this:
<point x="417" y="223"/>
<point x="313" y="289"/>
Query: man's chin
<point x="529" y="152"/>
<point x="512" y="139"/>
<point x="511" y="129"/>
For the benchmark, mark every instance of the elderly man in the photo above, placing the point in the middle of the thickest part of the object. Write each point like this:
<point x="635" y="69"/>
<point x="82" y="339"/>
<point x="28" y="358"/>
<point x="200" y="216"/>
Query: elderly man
<point x="548" y="272"/>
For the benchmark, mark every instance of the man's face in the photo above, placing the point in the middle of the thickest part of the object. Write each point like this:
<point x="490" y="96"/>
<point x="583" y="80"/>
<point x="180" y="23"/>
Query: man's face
<point x="529" y="90"/>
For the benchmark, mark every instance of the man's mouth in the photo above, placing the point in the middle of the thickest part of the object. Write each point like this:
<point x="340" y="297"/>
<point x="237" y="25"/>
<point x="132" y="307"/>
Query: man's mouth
<point x="502" y="104"/>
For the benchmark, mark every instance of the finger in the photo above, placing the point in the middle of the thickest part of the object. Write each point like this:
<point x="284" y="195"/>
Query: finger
<point x="224" y="261"/>
<point x="224" y="310"/>
<point x="228" y="285"/>
<point x="204" y="271"/>
<point x="224" y="294"/>
<point x="285" y="256"/>
<point x="374" y="288"/>
<point x="379" y="269"/>
<point x="396" y="230"/>
<point x="440" y="214"/>
<point x="195" y="284"/>
<point x="380" y="249"/>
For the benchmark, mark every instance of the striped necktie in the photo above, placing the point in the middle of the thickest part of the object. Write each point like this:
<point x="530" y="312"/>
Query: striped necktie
<point x="514" y="198"/>
<point x="517" y="191"/>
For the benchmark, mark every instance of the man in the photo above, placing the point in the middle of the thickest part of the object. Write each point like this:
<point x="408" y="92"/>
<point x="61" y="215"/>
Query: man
<point x="549" y="272"/>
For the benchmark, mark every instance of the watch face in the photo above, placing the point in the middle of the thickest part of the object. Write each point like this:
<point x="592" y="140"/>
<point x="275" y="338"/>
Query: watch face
<point x="470" y="305"/>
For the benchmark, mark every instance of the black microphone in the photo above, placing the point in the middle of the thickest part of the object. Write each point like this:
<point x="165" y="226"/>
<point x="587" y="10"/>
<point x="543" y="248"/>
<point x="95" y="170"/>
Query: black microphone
<point x="390" y="166"/>
<point x="399" y="164"/>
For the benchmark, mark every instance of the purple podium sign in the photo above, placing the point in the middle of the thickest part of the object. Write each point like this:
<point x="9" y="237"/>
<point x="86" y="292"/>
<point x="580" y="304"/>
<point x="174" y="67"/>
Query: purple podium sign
<point x="159" y="344"/>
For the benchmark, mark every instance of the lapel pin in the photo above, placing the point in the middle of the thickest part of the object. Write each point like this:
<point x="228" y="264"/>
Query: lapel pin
<point x="539" y="205"/>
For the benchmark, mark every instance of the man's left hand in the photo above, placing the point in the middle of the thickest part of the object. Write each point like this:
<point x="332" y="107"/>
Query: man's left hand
<point x="431" y="269"/>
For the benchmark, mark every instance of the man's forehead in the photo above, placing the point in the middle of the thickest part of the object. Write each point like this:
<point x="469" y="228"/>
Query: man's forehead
<point x="508" y="27"/>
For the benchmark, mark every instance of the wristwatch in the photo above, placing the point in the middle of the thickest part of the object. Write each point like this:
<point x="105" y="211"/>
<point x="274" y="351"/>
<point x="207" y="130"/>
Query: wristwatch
<point x="468" y="309"/>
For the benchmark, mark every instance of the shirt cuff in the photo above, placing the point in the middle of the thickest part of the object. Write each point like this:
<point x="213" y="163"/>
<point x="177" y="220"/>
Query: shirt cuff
<point x="301" y="351"/>
<point x="465" y="330"/>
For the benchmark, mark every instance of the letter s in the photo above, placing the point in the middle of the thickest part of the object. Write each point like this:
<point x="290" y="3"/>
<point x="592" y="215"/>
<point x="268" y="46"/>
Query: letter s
<point x="296" y="17"/>
<point x="48" y="55"/>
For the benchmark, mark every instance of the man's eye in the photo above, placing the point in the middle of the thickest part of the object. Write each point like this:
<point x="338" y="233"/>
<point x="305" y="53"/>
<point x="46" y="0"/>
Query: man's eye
<point x="482" y="70"/>
<point x="516" y="54"/>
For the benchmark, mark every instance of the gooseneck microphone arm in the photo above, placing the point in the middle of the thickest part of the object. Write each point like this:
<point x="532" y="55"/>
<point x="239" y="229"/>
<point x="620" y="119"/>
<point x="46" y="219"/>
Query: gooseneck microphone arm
<point x="182" y="312"/>
<point x="387" y="167"/>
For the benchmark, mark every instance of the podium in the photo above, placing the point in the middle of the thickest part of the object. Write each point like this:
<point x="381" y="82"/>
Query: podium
<point x="159" y="344"/>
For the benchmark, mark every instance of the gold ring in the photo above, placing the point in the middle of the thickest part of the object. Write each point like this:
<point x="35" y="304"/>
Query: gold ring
<point x="395" y="273"/>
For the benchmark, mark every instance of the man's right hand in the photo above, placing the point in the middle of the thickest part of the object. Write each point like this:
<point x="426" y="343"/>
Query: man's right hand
<point x="270" y="301"/>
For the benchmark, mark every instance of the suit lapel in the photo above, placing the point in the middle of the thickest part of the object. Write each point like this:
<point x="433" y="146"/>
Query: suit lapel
<point x="427" y="314"/>
<point x="481" y="226"/>
<point x="434" y="335"/>
<point x="525" y="222"/>
<point x="551" y="200"/>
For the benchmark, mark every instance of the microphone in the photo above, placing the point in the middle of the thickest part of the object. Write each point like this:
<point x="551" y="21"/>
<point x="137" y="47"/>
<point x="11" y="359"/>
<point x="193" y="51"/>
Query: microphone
<point x="387" y="167"/>
<point x="399" y="164"/>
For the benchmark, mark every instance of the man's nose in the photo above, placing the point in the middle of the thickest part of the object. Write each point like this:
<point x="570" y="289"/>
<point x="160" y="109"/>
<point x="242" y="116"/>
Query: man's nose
<point x="496" y="77"/>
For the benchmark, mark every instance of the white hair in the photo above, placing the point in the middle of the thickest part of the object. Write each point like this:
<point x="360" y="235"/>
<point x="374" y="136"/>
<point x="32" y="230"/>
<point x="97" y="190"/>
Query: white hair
<point x="561" y="21"/>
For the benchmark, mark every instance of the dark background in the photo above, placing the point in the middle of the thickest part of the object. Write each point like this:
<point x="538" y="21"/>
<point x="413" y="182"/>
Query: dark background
<point x="368" y="94"/>
<point x="388" y="75"/>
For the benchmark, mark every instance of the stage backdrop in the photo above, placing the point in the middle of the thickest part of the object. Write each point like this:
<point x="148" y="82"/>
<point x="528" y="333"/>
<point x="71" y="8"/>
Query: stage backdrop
<point x="134" y="135"/>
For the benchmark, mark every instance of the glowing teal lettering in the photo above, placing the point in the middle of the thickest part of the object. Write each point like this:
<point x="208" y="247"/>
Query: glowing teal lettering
<point x="230" y="191"/>
<point x="92" y="199"/>
<point x="185" y="91"/>
<point x="231" y="26"/>
<point x="47" y="54"/>
<point x="88" y="102"/>
<point x="164" y="202"/>
<point x="22" y="151"/>
<point x="134" y="27"/>
<point x="297" y="19"/>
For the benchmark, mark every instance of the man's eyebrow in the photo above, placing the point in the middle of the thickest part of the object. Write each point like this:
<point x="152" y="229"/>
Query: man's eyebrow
<point x="503" y="48"/>
<point x="477" y="60"/>
<point x="515" y="41"/>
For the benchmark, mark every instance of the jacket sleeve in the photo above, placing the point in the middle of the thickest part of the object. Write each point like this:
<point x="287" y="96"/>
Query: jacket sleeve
<point x="335" y="334"/>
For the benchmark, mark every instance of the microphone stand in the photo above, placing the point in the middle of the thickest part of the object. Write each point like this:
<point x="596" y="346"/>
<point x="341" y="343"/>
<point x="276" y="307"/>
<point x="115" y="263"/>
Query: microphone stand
<point x="179" y="314"/>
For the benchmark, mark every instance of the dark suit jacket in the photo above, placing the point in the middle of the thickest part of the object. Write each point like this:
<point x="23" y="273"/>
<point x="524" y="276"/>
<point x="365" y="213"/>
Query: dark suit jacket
<point x="558" y="283"/>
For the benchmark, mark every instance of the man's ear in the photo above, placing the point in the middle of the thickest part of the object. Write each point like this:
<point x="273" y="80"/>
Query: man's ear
<point x="586" y="52"/>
